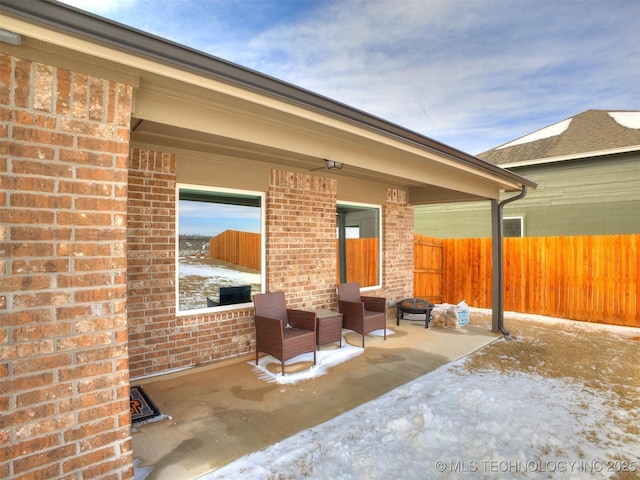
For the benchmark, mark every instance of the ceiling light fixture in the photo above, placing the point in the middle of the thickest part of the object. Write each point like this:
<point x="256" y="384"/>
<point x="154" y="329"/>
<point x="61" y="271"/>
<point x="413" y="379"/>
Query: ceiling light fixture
<point x="10" y="37"/>
<point x="333" y="165"/>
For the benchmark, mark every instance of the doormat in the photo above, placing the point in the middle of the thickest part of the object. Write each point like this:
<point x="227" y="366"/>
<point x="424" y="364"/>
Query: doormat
<point x="142" y="408"/>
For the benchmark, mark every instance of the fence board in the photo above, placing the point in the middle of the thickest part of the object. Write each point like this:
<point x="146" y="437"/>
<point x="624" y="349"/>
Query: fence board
<point x="362" y="261"/>
<point x="428" y="275"/>
<point x="588" y="278"/>
<point x="239" y="248"/>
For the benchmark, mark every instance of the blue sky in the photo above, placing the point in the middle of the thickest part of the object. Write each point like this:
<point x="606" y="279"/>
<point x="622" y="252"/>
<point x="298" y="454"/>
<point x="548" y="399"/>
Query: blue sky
<point x="209" y="219"/>
<point x="473" y="74"/>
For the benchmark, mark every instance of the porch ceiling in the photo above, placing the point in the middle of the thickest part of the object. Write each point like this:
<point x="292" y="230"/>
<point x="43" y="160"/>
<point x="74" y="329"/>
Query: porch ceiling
<point x="177" y="114"/>
<point x="179" y="139"/>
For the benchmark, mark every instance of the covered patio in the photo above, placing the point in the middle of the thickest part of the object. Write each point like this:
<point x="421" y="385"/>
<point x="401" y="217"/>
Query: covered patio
<point x="111" y="132"/>
<point x="221" y="412"/>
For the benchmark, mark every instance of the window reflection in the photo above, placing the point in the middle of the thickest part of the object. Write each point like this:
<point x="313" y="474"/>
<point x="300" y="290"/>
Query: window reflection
<point x="219" y="247"/>
<point x="358" y="235"/>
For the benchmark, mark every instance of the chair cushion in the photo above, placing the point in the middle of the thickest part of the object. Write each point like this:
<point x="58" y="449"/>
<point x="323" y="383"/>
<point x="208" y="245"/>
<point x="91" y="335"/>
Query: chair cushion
<point x="291" y="332"/>
<point x="370" y="314"/>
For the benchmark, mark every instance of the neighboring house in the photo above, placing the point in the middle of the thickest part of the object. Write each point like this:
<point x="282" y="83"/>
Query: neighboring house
<point x="123" y="156"/>
<point x="588" y="173"/>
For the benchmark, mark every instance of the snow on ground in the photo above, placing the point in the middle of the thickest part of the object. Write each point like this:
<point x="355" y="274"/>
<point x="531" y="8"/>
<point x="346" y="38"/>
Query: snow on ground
<point x="325" y="359"/>
<point x="618" y="330"/>
<point x="202" y="277"/>
<point x="450" y="423"/>
<point x="445" y="424"/>
<point x="217" y="273"/>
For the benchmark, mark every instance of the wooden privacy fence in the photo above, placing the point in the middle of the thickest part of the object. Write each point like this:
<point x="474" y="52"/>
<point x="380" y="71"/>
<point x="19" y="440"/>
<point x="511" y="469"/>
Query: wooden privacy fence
<point x="362" y="261"/>
<point x="588" y="278"/>
<point x="243" y="248"/>
<point x="239" y="248"/>
<point x="428" y="268"/>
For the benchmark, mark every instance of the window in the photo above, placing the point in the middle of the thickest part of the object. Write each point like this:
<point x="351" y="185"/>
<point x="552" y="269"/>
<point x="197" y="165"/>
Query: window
<point x="513" y="226"/>
<point x="220" y="258"/>
<point x="359" y="245"/>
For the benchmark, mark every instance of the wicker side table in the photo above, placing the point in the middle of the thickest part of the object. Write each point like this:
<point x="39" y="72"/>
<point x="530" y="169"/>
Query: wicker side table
<point x="328" y="326"/>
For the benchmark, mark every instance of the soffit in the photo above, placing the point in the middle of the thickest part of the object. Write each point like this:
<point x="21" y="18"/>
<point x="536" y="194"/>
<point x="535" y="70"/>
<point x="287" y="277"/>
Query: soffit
<point x="305" y="151"/>
<point x="236" y="121"/>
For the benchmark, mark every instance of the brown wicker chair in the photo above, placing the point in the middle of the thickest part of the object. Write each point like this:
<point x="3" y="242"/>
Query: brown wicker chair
<point x="361" y="314"/>
<point x="282" y="332"/>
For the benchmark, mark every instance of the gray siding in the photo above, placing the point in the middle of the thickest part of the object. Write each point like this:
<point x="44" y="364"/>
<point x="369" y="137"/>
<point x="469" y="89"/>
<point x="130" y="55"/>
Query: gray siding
<point x="580" y="197"/>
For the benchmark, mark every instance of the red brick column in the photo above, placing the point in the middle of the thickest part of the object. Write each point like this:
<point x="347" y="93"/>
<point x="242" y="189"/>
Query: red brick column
<point x="159" y="340"/>
<point x="301" y="238"/>
<point x="64" y="379"/>
<point x="151" y="271"/>
<point x="397" y="225"/>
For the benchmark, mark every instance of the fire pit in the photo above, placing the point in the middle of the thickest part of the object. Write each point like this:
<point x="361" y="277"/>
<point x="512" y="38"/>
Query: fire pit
<point x="415" y="306"/>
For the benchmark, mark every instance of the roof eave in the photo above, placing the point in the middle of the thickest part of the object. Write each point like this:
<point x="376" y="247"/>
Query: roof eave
<point x="574" y="156"/>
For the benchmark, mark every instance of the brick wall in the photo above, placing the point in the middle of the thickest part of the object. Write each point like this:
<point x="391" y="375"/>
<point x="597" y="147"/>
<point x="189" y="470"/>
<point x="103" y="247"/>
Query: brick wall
<point x="151" y="224"/>
<point x="64" y="383"/>
<point x="160" y="341"/>
<point x="301" y="239"/>
<point x="301" y="261"/>
<point x="298" y="206"/>
<point x="397" y="226"/>
<point x="301" y="246"/>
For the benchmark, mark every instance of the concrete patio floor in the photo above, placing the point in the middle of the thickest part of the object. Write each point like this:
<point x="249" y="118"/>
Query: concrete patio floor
<point x="223" y="411"/>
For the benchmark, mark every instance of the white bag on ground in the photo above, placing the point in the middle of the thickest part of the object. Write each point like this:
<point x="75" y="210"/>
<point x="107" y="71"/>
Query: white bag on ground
<point x="462" y="314"/>
<point x="452" y="316"/>
<point x="439" y="315"/>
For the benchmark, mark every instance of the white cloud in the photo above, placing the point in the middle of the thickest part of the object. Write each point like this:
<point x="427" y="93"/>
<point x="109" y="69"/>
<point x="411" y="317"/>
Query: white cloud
<point x="471" y="74"/>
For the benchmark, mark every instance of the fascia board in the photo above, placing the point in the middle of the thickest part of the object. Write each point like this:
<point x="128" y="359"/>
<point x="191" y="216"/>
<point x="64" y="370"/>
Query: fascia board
<point x="576" y="156"/>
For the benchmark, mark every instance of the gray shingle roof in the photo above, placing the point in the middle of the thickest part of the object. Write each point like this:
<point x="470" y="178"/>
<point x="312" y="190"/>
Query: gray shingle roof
<point x="587" y="132"/>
